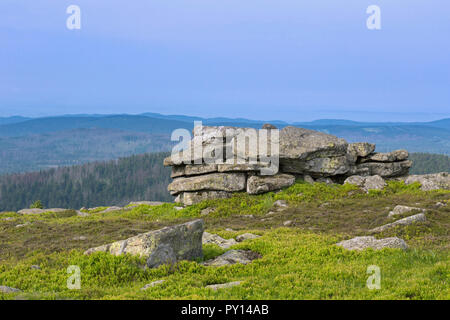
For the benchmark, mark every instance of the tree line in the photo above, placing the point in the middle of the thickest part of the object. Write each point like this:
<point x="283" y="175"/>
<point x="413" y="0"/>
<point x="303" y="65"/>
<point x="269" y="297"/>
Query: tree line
<point x="117" y="182"/>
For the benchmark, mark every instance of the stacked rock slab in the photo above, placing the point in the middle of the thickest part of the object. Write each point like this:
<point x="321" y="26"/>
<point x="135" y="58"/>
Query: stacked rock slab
<point x="303" y="153"/>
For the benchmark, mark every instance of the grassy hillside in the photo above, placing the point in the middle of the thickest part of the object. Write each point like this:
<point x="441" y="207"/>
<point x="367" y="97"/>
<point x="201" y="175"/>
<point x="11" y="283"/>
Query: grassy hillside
<point x="298" y="262"/>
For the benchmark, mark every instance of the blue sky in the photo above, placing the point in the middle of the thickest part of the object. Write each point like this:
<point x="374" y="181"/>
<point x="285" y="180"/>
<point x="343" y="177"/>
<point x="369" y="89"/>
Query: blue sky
<point x="263" y="59"/>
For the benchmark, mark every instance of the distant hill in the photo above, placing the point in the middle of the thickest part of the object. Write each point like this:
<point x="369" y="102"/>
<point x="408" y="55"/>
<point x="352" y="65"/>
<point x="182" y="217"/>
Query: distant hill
<point x="34" y="144"/>
<point x="117" y="182"/>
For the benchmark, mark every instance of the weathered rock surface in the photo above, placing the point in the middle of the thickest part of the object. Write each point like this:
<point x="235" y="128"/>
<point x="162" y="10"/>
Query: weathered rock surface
<point x="190" y="198"/>
<point x="383" y="169"/>
<point x="152" y="284"/>
<point x="431" y="181"/>
<point x="39" y="211"/>
<point x="223" y="285"/>
<point x="263" y="184"/>
<point x="164" y="246"/>
<point x="360" y="149"/>
<point x="361" y="243"/>
<point x="233" y="257"/>
<point x="398" y="210"/>
<point x="147" y="203"/>
<point x="246" y="236"/>
<point x="231" y="182"/>
<point x="397" y="155"/>
<point x="402" y="222"/>
<point x="209" y="238"/>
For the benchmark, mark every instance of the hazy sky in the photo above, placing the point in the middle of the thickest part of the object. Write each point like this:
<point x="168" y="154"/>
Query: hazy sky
<point x="263" y="59"/>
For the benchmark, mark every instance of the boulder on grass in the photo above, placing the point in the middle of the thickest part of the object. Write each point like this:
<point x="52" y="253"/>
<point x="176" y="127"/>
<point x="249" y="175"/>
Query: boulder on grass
<point x="263" y="184"/>
<point x="233" y="257"/>
<point x="164" y="246"/>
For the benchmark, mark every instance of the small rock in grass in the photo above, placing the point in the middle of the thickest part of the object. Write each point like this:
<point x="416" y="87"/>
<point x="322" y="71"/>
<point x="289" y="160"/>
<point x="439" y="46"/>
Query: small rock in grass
<point x="35" y="267"/>
<point x="23" y="225"/>
<point x="152" y="284"/>
<point x="361" y="243"/>
<point x="246" y="236"/>
<point x="439" y="205"/>
<point x="287" y="223"/>
<point x="79" y="238"/>
<point x="398" y="210"/>
<point x="223" y="285"/>
<point x="233" y="257"/>
<point x="207" y="211"/>
<point x="209" y="238"/>
<point x="178" y="208"/>
<point x="6" y="289"/>
<point x="280" y="204"/>
<point x="248" y="216"/>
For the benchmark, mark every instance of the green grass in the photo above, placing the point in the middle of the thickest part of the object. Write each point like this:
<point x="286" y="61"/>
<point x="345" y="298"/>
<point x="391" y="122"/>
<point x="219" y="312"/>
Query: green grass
<point x="299" y="262"/>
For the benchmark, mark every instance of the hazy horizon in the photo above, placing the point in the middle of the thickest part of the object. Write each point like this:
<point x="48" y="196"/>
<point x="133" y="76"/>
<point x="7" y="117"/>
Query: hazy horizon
<point x="256" y="59"/>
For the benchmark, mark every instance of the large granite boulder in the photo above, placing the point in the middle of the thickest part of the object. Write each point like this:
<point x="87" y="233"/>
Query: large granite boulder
<point x="230" y="182"/>
<point x="164" y="246"/>
<point x="367" y="183"/>
<point x="397" y="155"/>
<point x="190" y="198"/>
<point x="383" y="169"/>
<point x="263" y="184"/>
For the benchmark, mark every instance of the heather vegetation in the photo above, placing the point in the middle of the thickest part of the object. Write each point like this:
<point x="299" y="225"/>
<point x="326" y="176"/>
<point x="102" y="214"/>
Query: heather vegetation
<point x="299" y="260"/>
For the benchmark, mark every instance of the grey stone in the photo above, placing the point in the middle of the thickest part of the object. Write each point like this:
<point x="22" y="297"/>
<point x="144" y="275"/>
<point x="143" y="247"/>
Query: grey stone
<point x="233" y="257"/>
<point x="374" y="183"/>
<point x="262" y="184"/>
<point x="361" y="243"/>
<point x="356" y="180"/>
<point x="398" y="210"/>
<point x="223" y="285"/>
<point x="360" y="149"/>
<point x="397" y="155"/>
<point x="190" y="198"/>
<point x="287" y="223"/>
<point x="246" y="236"/>
<point x="209" y="238"/>
<point x="167" y="245"/>
<point x="230" y="182"/>
<point x="402" y="222"/>
<point x="383" y="169"/>
<point x="430" y="182"/>
<point x="207" y="211"/>
<point x="35" y="267"/>
<point x="152" y="284"/>
<point x="304" y="144"/>
<point x="280" y="204"/>
<point x="308" y="178"/>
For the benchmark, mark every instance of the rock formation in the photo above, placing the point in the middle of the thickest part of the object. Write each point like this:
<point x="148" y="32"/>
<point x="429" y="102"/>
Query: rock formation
<point x="223" y="165"/>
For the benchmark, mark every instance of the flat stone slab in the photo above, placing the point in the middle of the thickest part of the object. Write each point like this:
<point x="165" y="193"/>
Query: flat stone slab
<point x="361" y="243"/>
<point x="190" y="198"/>
<point x="230" y="182"/>
<point x="402" y="222"/>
